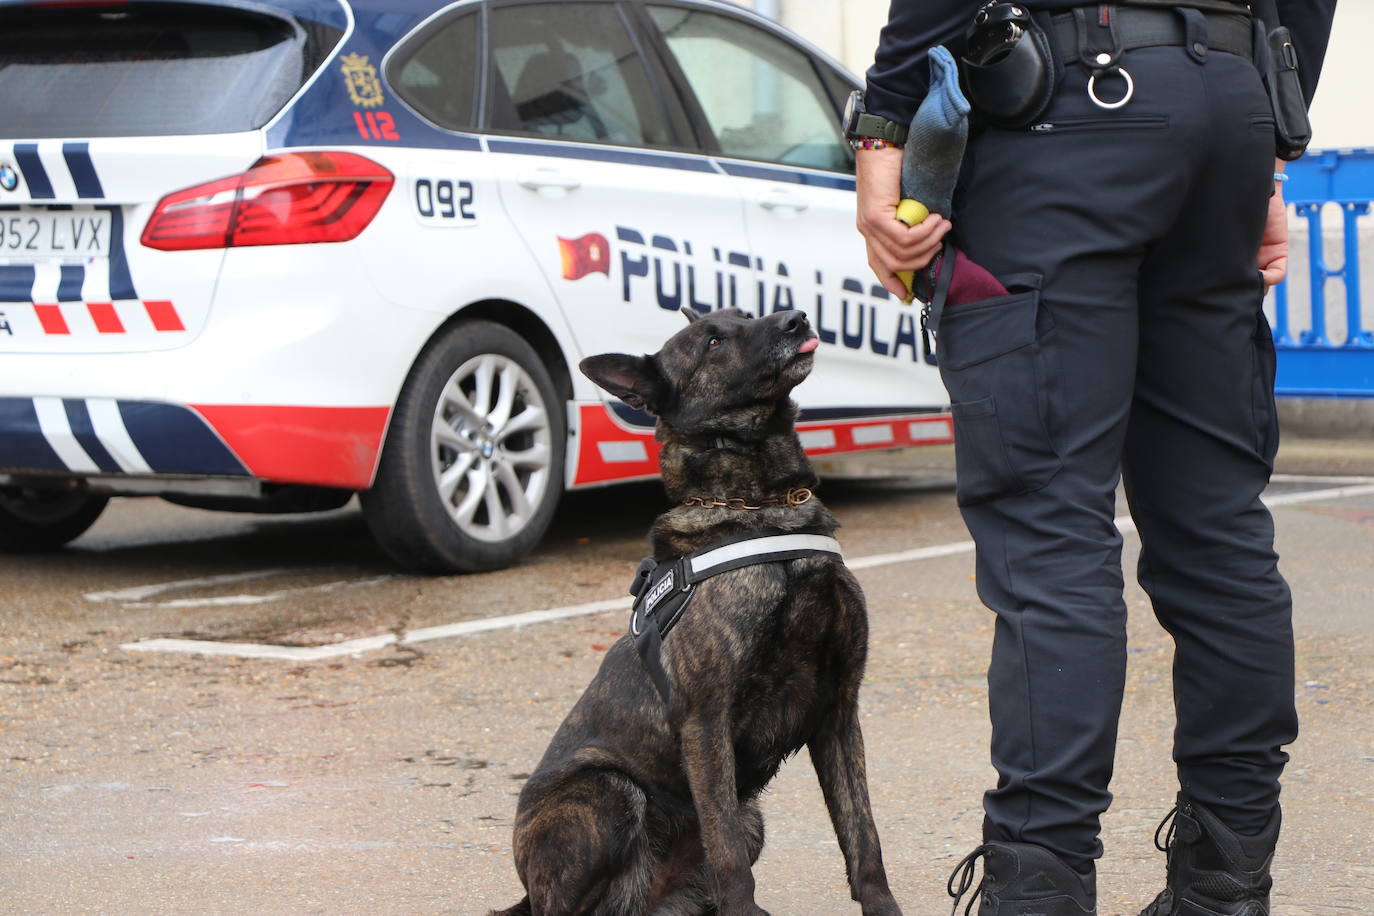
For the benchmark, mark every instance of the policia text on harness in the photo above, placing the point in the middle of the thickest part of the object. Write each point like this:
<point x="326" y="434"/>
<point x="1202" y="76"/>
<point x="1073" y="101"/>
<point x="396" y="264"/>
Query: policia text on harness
<point x="663" y="589"/>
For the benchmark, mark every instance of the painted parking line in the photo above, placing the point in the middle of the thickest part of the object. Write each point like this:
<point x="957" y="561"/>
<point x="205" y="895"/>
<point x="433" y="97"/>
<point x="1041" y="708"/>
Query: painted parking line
<point x="265" y="597"/>
<point x="486" y="624"/>
<point x="136" y="596"/>
<point x="144" y="592"/>
<point x="367" y="644"/>
<point x="263" y="650"/>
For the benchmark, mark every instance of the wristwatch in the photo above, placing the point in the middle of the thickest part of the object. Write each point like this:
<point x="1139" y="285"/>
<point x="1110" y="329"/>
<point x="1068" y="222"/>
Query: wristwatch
<point x="859" y="123"/>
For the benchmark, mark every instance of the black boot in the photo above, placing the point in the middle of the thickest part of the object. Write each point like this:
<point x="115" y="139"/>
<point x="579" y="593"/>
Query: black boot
<point x="1020" y="879"/>
<point x="1213" y="871"/>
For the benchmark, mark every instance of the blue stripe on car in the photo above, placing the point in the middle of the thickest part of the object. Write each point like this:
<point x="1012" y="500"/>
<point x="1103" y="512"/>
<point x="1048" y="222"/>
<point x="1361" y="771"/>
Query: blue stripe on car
<point x="16" y="282"/>
<point x="69" y="287"/>
<point x="79" y="419"/>
<point x="599" y="154"/>
<point x="176" y="440"/>
<point x="121" y="281"/>
<point x="22" y="443"/>
<point x="171" y="438"/>
<point x="668" y="161"/>
<point x="26" y="154"/>
<point x="770" y="173"/>
<point x="78" y="156"/>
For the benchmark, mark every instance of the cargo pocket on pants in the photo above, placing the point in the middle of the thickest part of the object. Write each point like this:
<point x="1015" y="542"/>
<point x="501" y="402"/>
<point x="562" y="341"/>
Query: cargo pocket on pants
<point x="1000" y="370"/>
<point x="1266" y="413"/>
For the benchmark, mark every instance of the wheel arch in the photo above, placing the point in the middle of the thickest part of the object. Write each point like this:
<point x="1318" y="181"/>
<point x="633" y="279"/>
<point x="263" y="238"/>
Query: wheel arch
<point x="525" y="322"/>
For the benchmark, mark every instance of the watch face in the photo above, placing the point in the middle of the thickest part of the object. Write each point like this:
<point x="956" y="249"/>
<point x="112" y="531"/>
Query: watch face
<point x="852" y="107"/>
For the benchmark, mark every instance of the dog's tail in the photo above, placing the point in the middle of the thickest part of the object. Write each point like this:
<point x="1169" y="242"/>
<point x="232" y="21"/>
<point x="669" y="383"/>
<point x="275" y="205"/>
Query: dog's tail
<point x="520" y="909"/>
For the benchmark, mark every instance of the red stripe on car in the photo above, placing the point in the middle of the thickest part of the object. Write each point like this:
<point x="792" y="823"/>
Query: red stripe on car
<point x="105" y="317"/>
<point x="164" y="316"/>
<point x="600" y="428"/>
<point x="325" y="446"/>
<point x="50" y="317"/>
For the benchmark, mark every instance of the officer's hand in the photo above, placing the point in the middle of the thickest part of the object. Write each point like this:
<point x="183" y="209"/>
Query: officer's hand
<point x="1273" y="250"/>
<point x="892" y="245"/>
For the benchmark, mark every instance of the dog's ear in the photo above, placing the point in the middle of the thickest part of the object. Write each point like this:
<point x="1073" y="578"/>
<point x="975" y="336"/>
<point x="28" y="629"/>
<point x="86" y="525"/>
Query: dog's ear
<point x="633" y="379"/>
<point x="691" y="313"/>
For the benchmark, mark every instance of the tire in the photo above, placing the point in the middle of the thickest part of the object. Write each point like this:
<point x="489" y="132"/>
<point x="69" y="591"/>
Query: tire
<point x="472" y="468"/>
<point x="34" y="521"/>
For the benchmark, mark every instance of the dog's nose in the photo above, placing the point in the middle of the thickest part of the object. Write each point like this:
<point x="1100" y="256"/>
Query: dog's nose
<point x="794" y="321"/>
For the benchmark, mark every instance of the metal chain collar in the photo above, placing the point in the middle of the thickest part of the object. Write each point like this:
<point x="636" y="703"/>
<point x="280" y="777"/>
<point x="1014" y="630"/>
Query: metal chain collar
<point x="791" y="499"/>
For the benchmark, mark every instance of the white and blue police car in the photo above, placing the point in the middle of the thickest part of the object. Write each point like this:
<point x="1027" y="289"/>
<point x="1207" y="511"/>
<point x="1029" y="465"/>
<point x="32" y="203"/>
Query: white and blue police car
<point x="266" y="254"/>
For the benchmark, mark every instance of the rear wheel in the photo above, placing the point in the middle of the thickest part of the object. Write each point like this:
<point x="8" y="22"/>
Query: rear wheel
<point x="473" y="464"/>
<point x="32" y="521"/>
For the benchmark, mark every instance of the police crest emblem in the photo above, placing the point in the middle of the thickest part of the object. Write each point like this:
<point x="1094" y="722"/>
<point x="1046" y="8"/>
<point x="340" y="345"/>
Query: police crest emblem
<point x="364" y="88"/>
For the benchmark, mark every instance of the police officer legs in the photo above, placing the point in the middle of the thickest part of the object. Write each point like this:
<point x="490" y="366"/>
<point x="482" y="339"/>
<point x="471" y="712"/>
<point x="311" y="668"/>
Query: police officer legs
<point x="1132" y="345"/>
<point x="1153" y="357"/>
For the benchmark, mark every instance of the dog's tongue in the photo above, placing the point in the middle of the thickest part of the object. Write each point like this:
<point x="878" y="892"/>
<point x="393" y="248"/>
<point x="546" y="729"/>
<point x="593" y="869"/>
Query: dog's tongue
<point x="809" y="344"/>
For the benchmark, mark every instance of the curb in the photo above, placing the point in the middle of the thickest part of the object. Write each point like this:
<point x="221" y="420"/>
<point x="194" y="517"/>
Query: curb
<point x="1327" y="418"/>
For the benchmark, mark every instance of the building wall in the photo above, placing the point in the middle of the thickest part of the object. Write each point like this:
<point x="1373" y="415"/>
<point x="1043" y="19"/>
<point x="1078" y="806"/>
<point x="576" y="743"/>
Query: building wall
<point x="1342" y="116"/>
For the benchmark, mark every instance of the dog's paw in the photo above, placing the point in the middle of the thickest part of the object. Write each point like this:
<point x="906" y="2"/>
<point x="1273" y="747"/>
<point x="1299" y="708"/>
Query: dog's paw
<point x="886" y="907"/>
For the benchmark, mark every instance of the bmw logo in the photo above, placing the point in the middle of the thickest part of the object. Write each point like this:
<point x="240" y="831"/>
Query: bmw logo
<point x="9" y="178"/>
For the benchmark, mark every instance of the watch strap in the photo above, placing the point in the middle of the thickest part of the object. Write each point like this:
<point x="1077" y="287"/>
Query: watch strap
<point x="879" y="128"/>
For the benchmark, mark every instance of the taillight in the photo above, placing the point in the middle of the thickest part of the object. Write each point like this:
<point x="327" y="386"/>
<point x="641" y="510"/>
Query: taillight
<point x="282" y="200"/>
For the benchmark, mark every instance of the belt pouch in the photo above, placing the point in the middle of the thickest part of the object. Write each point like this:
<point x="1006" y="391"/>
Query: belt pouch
<point x="1278" y="62"/>
<point x="1009" y="67"/>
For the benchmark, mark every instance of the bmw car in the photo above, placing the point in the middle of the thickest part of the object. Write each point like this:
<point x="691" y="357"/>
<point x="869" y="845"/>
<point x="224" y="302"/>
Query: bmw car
<point x="263" y="256"/>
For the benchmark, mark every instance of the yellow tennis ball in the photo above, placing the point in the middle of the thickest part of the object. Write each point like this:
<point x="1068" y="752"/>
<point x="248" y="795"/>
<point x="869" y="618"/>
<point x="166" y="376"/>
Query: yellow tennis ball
<point x="907" y="277"/>
<point x="911" y="211"/>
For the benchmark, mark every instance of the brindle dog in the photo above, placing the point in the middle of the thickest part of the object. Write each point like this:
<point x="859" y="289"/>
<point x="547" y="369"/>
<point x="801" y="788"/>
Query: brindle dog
<point x="641" y="807"/>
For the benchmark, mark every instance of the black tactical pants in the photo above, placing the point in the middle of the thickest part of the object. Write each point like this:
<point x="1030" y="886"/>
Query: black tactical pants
<point x="1132" y="344"/>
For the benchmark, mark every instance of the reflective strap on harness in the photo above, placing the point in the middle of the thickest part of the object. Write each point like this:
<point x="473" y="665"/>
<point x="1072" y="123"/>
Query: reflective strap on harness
<point x="712" y="560"/>
<point x="663" y="590"/>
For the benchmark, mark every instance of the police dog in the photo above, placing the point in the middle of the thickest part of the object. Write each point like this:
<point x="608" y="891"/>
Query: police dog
<point x="641" y="806"/>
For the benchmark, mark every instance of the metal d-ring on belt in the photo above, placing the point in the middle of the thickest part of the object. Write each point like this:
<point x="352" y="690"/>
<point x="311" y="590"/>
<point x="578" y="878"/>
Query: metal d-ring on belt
<point x="1099" y="35"/>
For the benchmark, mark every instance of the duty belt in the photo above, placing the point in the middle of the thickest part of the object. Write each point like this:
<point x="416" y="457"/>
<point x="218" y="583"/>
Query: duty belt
<point x="1134" y="27"/>
<point x="664" y="589"/>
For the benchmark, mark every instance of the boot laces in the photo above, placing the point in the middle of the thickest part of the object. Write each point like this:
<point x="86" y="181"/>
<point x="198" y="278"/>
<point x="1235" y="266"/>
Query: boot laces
<point x="963" y="877"/>
<point x="1171" y="820"/>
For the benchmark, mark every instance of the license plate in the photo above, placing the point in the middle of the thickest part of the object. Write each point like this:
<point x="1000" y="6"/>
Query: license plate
<point x="54" y="235"/>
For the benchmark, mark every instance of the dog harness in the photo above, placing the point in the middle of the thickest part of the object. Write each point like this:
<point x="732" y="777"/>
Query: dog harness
<point x="663" y="589"/>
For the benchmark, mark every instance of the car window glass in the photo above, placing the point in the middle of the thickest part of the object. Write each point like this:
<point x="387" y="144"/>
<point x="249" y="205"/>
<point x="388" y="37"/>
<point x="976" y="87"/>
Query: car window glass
<point x="570" y="71"/>
<point x="760" y="95"/>
<point x="151" y="70"/>
<point x="437" y="74"/>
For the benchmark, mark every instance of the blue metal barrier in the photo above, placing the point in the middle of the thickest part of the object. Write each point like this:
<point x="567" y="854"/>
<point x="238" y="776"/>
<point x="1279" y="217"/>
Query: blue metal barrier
<point x="1310" y="363"/>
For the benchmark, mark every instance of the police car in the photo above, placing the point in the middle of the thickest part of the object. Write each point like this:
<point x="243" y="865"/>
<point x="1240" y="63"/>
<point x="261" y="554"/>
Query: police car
<point x="265" y="255"/>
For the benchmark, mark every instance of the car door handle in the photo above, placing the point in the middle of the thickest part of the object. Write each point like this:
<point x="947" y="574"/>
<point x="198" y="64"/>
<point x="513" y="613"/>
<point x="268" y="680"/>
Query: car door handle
<point x="782" y="199"/>
<point x="538" y="179"/>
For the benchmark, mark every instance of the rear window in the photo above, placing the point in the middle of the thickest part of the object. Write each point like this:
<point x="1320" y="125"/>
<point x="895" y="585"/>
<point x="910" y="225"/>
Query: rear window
<point x="437" y="74"/>
<point x="143" y="70"/>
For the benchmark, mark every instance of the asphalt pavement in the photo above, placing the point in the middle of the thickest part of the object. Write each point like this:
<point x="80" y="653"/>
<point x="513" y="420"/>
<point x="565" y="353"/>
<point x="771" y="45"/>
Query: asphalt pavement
<point x="370" y="763"/>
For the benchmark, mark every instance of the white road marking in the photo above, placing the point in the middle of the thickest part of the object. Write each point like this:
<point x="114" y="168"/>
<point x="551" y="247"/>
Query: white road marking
<point x="515" y="620"/>
<point x="920" y="553"/>
<point x="467" y="627"/>
<point x="1312" y="496"/>
<point x="140" y="592"/>
<point x="232" y="600"/>
<point x="259" y="650"/>
<point x="135" y="596"/>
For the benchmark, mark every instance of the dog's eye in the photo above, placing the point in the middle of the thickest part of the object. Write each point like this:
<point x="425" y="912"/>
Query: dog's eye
<point x="714" y="342"/>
